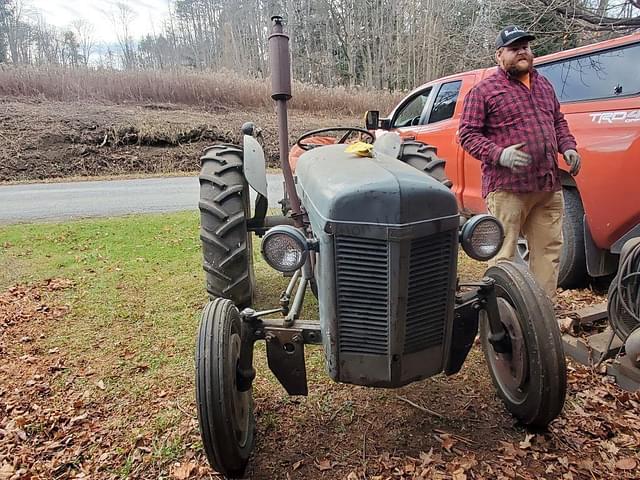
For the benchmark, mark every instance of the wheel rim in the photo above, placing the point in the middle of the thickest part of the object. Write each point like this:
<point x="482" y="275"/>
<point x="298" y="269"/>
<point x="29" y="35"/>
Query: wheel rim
<point x="511" y="368"/>
<point x="241" y="402"/>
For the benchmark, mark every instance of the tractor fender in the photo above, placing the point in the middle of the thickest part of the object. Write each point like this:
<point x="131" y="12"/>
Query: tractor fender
<point x="255" y="169"/>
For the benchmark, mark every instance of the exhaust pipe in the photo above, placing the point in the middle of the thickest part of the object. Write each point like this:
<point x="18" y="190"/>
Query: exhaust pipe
<point x="281" y="93"/>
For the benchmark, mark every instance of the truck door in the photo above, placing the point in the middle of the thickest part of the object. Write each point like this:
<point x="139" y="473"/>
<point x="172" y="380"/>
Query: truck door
<point x="441" y="125"/>
<point x="472" y="201"/>
<point x="409" y="115"/>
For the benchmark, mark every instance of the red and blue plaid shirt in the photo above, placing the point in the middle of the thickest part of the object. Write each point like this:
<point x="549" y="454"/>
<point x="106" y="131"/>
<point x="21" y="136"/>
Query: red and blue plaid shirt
<point x="501" y="111"/>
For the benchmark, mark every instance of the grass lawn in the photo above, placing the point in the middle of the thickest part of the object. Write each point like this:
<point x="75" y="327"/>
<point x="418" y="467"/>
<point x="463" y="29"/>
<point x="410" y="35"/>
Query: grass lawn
<point x="96" y="377"/>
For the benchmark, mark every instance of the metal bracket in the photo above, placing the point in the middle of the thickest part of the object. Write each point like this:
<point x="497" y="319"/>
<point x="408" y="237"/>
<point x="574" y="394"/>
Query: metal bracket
<point x="285" y="356"/>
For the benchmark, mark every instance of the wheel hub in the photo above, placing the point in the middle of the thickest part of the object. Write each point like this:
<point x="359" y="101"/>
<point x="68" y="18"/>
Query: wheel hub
<point x="241" y="400"/>
<point x="511" y="368"/>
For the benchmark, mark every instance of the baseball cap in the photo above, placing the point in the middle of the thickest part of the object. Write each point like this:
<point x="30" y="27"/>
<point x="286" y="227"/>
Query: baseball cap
<point x="511" y="34"/>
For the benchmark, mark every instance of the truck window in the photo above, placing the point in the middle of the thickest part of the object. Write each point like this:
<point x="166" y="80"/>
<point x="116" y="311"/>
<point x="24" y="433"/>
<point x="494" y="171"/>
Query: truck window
<point x="609" y="74"/>
<point x="445" y="103"/>
<point x="410" y="114"/>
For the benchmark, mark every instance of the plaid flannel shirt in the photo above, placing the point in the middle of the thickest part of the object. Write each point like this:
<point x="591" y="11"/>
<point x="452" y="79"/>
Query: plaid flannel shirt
<point x="501" y="111"/>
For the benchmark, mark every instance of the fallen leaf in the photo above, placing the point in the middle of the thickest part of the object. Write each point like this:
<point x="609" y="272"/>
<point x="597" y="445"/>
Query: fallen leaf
<point x="78" y="419"/>
<point x="297" y="465"/>
<point x="526" y="443"/>
<point x="447" y="442"/>
<point x="6" y="471"/>
<point x="100" y="385"/>
<point x="627" y="463"/>
<point x="426" y="458"/>
<point x="459" y="474"/>
<point x="324" y="465"/>
<point x="183" y="471"/>
<point x="566" y="325"/>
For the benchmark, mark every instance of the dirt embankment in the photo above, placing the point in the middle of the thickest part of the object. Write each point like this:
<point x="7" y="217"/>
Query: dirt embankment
<point x="42" y="140"/>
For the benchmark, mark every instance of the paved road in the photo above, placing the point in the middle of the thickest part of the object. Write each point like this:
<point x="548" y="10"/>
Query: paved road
<point x="59" y="201"/>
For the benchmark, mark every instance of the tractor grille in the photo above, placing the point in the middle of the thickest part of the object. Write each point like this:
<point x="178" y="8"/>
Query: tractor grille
<point x="363" y="294"/>
<point x="429" y="280"/>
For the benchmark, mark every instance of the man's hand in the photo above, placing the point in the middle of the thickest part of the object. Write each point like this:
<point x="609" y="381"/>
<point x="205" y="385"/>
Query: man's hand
<point x="573" y="160"/>
<point x="511" y="157"/>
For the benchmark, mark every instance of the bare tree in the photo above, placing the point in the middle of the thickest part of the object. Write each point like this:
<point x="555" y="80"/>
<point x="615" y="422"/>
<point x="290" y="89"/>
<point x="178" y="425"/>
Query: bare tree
<point x="121" y="17"/>
<point x="83" y="31"/>
<point x="15" y="29"/>
<point x="598" y="20"/>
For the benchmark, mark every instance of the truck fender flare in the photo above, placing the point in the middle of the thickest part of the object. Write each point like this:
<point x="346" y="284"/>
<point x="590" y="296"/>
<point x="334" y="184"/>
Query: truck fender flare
<point x="255" y="169"/>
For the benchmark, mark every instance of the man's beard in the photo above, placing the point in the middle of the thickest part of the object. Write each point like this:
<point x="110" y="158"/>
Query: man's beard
<point x="516" y="71"/>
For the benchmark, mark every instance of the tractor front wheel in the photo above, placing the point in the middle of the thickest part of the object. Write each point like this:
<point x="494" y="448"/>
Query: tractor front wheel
<point x="531" y="376"/>
<point x="225" y="414"/>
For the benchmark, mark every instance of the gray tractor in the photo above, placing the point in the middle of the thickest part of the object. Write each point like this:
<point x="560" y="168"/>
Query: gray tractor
<point x="375" y="238"/>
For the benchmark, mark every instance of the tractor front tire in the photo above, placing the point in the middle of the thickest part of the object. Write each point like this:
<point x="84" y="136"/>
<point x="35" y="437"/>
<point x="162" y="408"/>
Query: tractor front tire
<point x="226" y="241"/>
<point x="424" y="158"/>
<point x="225" y="413"/>
<point x="530" y="377"/>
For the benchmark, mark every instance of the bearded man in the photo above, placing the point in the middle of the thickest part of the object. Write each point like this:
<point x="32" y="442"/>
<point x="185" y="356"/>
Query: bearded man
<point x="512" y="123"/>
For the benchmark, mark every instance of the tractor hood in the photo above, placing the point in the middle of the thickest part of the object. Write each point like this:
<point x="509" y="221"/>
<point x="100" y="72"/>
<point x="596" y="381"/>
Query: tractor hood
<point x="342" y="187"/>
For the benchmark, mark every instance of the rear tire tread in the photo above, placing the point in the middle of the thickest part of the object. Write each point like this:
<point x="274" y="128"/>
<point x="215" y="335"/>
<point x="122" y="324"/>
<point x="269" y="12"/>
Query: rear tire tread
<point x="423" y="157"/>
<point x="223" y="219"/>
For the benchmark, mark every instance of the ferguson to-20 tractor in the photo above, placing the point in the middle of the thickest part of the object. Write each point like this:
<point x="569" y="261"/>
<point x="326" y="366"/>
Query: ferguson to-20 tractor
<point x="374" y="236"/>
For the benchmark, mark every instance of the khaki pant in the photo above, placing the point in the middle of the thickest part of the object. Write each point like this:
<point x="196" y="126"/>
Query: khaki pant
<point x="538" y="217"/>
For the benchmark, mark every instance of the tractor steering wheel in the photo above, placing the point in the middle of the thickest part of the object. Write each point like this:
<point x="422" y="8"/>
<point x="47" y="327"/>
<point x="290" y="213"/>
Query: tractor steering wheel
<point x="348" y="132"/>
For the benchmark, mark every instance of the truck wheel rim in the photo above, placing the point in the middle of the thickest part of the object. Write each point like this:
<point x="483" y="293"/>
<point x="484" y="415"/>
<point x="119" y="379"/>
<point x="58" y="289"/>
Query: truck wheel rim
<point x="240" y="403"/>
<point x="511" y="368"/>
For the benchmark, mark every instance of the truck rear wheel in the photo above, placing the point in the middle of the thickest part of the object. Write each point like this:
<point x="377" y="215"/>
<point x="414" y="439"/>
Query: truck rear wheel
<point x="424" y="158"/>
<point x="573" y="266"/>
<point x="224" y="209"/>
<point x="573" y="263"/>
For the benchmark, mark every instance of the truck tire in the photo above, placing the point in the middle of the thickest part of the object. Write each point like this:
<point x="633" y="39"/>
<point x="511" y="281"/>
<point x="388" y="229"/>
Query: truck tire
<point x="226" y="241"/>
<point x="424" y="158"/>
<point x="573" y="263"/>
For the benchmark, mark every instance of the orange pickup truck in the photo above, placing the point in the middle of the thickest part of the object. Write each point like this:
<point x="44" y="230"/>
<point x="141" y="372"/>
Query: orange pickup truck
<point x="598" y="87"/>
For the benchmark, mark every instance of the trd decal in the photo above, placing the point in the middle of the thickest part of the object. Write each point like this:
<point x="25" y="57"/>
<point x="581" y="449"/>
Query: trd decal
<point x="616" y="117"/>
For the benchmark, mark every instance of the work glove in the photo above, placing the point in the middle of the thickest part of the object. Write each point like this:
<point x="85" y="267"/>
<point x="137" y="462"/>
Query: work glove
<point x="511" y="157"/>
<point x="573" y="160"/>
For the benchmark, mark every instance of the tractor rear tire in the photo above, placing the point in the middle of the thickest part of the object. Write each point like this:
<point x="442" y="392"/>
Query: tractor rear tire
<point x="423" y="157"/>
<point x="226" y="241"/>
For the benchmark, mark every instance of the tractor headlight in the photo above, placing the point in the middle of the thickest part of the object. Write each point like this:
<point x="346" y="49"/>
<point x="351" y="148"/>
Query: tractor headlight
<point x="285" y="248"/>
<point x="481" y="237"/>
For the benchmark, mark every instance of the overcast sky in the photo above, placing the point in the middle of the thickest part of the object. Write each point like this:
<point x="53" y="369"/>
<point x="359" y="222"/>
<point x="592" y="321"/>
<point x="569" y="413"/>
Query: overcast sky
<point x="149" y="15"/>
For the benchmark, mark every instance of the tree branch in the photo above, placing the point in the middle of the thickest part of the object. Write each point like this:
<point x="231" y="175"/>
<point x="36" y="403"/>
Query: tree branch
<point x="601" y="22"/>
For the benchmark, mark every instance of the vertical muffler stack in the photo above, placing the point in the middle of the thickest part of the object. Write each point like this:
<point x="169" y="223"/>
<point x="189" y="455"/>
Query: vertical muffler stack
<point x="281" y="93"/>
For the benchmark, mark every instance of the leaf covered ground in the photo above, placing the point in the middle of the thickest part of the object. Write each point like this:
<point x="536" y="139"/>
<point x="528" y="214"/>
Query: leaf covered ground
<point x="97" y="324"/>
